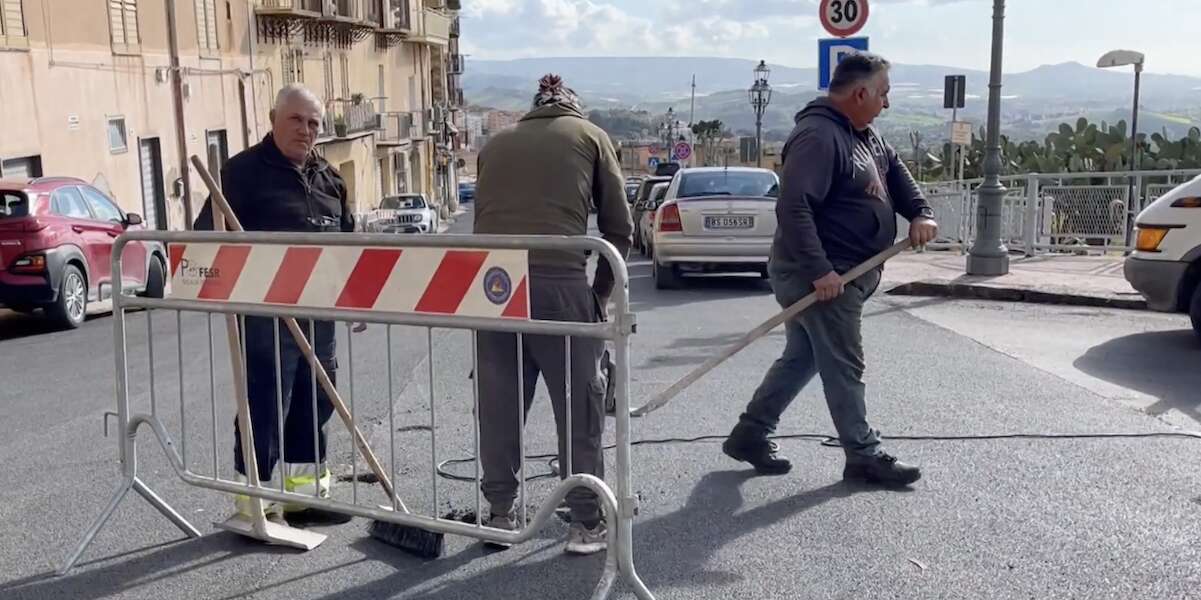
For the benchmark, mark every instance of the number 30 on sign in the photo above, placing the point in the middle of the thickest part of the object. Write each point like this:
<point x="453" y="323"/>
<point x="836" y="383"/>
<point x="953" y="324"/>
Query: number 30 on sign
<point x="843" y="18"/>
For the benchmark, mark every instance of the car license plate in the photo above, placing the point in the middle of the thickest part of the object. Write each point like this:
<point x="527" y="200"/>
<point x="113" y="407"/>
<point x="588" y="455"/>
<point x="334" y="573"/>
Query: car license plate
<point x="729" y="222"/>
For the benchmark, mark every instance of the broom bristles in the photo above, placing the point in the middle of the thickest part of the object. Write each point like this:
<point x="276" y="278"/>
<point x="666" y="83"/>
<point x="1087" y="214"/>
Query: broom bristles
<point x="414" y="540"/>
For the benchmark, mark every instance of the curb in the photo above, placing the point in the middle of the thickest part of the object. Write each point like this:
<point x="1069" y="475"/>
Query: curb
<point x="950" y="289"/>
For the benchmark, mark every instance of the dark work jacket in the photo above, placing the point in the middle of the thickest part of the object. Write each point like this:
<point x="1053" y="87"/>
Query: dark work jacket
<point x="269" y="193"/>
<point x="840" y="192"/>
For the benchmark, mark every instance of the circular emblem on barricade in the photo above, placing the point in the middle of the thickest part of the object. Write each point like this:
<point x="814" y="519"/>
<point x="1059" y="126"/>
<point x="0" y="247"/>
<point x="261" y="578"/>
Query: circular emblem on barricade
<point x="498" y="286"/>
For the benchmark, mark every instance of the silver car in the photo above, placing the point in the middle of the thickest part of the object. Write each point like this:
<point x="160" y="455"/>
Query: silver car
<point x="715" y="220"/>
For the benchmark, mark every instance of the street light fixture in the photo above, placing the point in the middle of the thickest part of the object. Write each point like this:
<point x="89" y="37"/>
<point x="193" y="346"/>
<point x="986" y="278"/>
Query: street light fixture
<point x="1122" y="58"/>
<point x="760" y="96"/>
<point x="669" y="130"/>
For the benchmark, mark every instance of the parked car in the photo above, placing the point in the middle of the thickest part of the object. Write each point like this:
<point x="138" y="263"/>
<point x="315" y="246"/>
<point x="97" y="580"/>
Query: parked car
<point x="56" y="247"/>
<point x="646" y="222"/>
<point x="405" y="213"/>
<point x="631" y="192"/>
<point x="1165" y="266"/>
<point x="714" y="220"/>
<point x="466" y="192"/>
<point x="644" y="194"/>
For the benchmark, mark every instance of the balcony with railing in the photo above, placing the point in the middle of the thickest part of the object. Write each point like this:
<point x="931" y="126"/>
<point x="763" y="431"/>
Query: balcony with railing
<point x="457" y="64"/>
<point x="373" y="13"/>
<point x="349" y="11"/>
<point x="455" y="30"/>
<point x="344" y="118"/>
<point x="435" y="28"/>
<point x="396" y="127"/>
<point x="305" y="8"/>
<point x="398" y="16"/>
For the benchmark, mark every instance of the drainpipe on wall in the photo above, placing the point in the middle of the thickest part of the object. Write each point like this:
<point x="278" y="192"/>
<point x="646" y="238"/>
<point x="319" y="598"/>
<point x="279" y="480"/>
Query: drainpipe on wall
<point x="252" y="37"/>
<point x="180" y="125"/>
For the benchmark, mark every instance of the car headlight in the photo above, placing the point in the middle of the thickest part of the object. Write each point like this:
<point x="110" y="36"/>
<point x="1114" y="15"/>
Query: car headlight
<point x="1149" y="238"/>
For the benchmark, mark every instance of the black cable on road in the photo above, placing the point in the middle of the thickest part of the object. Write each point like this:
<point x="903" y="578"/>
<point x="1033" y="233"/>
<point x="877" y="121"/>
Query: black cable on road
<point x="831" y="442"/>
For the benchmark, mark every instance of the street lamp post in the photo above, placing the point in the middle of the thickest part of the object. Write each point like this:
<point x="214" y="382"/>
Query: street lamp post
<point x="989" y="256"/>
<point x="1122" y="58"/>
<point x="760" y="96"/>
<point x="669" y="126"/>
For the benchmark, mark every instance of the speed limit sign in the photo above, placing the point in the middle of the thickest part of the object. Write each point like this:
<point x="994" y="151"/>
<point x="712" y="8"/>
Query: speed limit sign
<point x="843" y="18"/>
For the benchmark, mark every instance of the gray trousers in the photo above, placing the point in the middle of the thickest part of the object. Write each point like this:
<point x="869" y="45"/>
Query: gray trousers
<point x="501" y="415"/>
<point x="823" y="340"/>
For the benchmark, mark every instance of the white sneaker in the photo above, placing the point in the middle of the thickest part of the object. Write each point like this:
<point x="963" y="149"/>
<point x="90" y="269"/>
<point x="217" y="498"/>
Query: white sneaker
<point x="507" y="522"/>
<point x="584" y="541"/>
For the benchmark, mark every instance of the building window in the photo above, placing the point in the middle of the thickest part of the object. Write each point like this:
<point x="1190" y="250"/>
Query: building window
<point x="12" y="24"/>
<point x="206" y="24"/>
<point x="345" y="60"/>
<point x="327" y="68"/>
<point x="292" y="60"/>
<point x="117" y="136"/>
<point x="24" y="167"/>
<point x="123" y="24"/>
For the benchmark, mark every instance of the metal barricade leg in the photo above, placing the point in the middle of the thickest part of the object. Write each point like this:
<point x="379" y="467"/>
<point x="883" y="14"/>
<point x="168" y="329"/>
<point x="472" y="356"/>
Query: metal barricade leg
<point x="90" y="534"/>
<point x="127" y="449"/>
<point x="164" y="508"/>
<point x="626" y="503"/>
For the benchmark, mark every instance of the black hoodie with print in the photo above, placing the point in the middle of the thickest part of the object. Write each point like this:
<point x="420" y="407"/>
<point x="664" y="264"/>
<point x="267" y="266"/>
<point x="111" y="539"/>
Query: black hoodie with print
<point x="839" y="193"/>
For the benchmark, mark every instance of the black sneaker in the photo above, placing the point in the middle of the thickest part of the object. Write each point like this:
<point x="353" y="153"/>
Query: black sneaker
<point x="881" y="469"/>
<point x="761" y="453"/>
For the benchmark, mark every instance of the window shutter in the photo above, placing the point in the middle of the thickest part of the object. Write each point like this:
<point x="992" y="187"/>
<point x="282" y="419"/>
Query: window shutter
<point x="130" y="15"/>
<point x="210" y="13"/>
<point x="12" y="19"/>
<point x="116" y="21"/>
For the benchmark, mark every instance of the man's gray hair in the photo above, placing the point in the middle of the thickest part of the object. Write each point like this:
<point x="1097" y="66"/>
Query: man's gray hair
<point x="855" y="69"/>
<point x="297" y="90"/>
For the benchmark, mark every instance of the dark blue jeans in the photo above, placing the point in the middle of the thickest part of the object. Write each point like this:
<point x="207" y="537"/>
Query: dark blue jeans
<point x="296" y="388"/>
<point x="823" y="340"/>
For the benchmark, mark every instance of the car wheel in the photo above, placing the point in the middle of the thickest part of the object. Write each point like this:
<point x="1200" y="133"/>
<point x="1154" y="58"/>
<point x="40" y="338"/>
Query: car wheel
<point x="156" y="279"/>
<point x="71" y="307"/>
<point x="667" y="277"/>
<point x="1194" y="310"/>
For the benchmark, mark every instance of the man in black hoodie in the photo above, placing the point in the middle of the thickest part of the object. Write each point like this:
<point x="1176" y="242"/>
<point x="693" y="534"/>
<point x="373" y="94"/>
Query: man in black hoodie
<point x="841" y="188"/>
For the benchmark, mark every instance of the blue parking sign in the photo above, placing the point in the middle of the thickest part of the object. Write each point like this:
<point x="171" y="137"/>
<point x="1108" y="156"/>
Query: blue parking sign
<point x="653" y="162"/>
<point x="831" y="51"/>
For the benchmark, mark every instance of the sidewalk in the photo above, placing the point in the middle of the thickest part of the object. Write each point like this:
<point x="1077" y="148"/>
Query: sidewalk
<point x="1049" y="279"/>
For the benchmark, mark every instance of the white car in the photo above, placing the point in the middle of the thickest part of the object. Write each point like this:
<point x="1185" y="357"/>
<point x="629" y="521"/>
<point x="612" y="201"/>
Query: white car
<point x="1166" y="264"/>
<point x="405" y="213"/>
<point x="715" y="220"/>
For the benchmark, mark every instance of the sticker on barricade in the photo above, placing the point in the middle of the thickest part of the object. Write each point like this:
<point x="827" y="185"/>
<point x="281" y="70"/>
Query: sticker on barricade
<point x="441" y="281"/>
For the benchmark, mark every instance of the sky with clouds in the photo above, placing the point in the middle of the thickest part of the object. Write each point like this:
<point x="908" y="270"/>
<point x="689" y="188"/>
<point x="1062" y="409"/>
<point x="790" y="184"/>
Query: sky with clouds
<point x="943" y="32"/>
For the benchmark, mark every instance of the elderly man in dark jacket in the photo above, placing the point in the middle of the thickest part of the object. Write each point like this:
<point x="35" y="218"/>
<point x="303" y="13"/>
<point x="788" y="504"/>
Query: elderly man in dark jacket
<point x="840" y="192"/>
<point x="542" y="177"/>
<point x="280" y="184"/>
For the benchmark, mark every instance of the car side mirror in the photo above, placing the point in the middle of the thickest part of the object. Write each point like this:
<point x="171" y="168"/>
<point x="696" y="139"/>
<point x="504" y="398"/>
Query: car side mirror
<point x="133" y="219"/>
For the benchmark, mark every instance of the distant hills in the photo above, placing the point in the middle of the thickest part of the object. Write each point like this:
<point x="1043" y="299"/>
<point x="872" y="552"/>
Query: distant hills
<point x="1036" y="100"/>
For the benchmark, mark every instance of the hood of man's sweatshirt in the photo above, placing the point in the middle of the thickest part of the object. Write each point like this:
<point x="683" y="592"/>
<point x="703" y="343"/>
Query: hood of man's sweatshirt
<point x="553" y="111"/>
<point x="822" y="107"/>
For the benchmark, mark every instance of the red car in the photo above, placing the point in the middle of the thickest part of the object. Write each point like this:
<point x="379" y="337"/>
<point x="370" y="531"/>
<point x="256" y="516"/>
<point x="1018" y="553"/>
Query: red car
<point x="56" y="246"/>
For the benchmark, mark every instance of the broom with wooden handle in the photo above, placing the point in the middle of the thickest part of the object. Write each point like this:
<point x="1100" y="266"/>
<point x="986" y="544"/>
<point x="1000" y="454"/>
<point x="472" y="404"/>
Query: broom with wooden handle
<point x="421" y="542"/>
<point x="797" y="308"/>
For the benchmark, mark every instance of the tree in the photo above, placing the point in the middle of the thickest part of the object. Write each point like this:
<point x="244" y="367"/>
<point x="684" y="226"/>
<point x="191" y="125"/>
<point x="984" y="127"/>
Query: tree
<point x="709" y="134"/>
